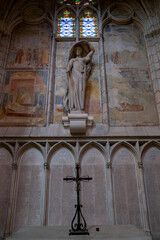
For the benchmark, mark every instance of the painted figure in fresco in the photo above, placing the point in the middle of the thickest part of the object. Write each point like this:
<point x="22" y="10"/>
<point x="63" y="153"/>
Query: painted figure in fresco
<point x="19" y="56"/>
<point x="28" y="56"/>
<point x="36" y="60"/>
<point x="78" y="69"/>
<point x="45" y="57"/>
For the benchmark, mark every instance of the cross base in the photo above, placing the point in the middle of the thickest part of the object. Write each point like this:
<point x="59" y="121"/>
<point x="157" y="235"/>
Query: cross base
<point x="78" y="232"/>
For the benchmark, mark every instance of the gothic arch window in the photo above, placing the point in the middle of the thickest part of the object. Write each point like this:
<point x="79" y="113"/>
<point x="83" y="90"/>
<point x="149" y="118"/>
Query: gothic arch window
<point x="66" y="25"/>
<point x="88" y="24"/>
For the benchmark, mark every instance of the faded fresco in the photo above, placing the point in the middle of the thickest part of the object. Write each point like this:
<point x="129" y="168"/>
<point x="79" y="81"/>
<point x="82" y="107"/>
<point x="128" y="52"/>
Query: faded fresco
<point x="26" y="79"/>
<point x="30" y="46"/>
<point x="24" y="97"/>
<point x="130" y="93"/>
<point x="92" y="99"/>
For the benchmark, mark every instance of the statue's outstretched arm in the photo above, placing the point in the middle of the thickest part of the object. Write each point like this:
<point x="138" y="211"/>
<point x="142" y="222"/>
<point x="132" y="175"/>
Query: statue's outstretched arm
<point x="90" y="54"/>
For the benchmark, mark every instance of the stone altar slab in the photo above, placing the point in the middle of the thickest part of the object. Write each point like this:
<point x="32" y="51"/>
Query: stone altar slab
<point x="116" y="232"/>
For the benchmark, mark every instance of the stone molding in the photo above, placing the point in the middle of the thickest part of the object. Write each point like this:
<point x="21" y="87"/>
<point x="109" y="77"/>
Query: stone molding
<point x="49" y="145"/>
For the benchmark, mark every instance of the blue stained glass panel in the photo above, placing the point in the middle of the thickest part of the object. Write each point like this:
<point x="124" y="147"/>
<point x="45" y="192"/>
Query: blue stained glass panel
<point x="88" y="27"/>
<point x="66" y="27"/>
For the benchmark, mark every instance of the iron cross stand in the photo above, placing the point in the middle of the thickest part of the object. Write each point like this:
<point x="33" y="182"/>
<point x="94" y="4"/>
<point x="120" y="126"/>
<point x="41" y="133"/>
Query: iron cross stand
<point x="79" y="228"/>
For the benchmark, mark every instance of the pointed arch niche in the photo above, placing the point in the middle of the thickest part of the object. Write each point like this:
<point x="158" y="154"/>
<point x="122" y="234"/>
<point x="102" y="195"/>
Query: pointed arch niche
<point x="5" y="183"/>
<point x="94" y="192"/>
<point x="151" y="163"/>
<point x="61" y="193"/>
<point x="125" y="187"/>
<point x="130" y="93"/>
<point x="29" y="204"/>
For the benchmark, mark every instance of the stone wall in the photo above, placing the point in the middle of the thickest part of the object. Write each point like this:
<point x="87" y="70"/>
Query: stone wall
<point x="122" y="89"/>
<point x="24" y="99"/>
<point x="120" y="151"/>
<point x="124" y="189"/>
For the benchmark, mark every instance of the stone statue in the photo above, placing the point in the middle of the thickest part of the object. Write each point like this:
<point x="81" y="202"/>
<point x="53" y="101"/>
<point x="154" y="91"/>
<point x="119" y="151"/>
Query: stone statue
<point x="78" y="70"/>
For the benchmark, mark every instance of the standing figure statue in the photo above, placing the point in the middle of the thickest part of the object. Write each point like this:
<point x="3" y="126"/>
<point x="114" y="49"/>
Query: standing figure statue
<point x="78" y="70"/>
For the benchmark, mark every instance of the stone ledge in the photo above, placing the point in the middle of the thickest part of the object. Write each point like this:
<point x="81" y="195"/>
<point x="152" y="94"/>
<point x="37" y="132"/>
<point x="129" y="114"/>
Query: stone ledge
<point x="114" y="232"/>
<point x="97" y="130"/>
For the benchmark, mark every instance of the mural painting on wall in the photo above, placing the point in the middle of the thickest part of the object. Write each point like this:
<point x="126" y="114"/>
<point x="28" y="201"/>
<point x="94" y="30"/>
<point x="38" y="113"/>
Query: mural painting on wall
<point x="92" y="98"/>
<point x="27" y="71"/>
<point x="24" y="97"/>
<point x="131" y="98"/>
<point x="30" y="46"/>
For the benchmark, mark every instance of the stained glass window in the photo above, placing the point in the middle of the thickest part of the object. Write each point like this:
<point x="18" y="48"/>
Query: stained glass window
<point x="66" y="25"/>
<point x="88" y="25"/>
<point x="77" y="2"/>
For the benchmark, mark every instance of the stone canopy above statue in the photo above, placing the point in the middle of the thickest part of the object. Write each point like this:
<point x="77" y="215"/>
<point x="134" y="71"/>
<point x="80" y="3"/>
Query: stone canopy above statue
<point x="78" y="70"/>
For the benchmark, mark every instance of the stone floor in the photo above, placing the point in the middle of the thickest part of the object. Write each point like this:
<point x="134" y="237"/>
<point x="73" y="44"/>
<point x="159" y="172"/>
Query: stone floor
<point x="117" y="232"/>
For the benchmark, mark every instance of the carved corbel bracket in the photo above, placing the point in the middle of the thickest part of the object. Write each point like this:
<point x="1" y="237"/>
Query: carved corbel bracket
<point x="77" y="122"/>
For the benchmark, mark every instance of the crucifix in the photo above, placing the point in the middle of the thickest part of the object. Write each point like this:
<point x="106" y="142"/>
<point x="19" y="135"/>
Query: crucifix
<point x="79" y="228"/>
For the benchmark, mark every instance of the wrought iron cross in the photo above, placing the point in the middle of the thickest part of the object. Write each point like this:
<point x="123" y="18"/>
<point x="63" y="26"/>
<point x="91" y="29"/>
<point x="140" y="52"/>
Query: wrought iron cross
<point x="79" y="228"/>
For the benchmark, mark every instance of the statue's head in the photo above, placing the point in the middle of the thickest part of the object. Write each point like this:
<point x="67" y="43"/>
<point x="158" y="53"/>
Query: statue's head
<point x="78" y="51"/>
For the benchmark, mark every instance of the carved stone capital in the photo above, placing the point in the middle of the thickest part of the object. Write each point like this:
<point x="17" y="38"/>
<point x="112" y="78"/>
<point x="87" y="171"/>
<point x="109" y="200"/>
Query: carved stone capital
<point x="14" y="165"/>
<point x="140" y="164"/>
<point x="109" y="165"/>
<point x="46" y="165"/>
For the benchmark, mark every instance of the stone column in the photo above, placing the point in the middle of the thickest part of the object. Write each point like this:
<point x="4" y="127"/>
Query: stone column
<point x="46" y="185"/>
<point x="110" y="208"/>
<point x="141" y="193"/>
<point x="103" y="79"/>
<point x="77" y="33"/>
<point x="51" y="81"/>
<point x="46" y="193"/>
<point x="153" y="48"/>
<point x="4" y="46"/>
<point x="12" y="201"/>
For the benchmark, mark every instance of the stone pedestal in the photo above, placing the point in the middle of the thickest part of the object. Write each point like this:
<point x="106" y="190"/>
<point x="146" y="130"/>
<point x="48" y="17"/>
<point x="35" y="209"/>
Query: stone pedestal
<point x="115" y="232"/>
<point x="77" y="122"/>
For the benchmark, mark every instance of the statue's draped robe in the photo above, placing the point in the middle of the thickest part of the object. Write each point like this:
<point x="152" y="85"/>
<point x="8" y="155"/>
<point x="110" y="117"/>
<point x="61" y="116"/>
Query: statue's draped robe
<point x="78" y="70"/>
